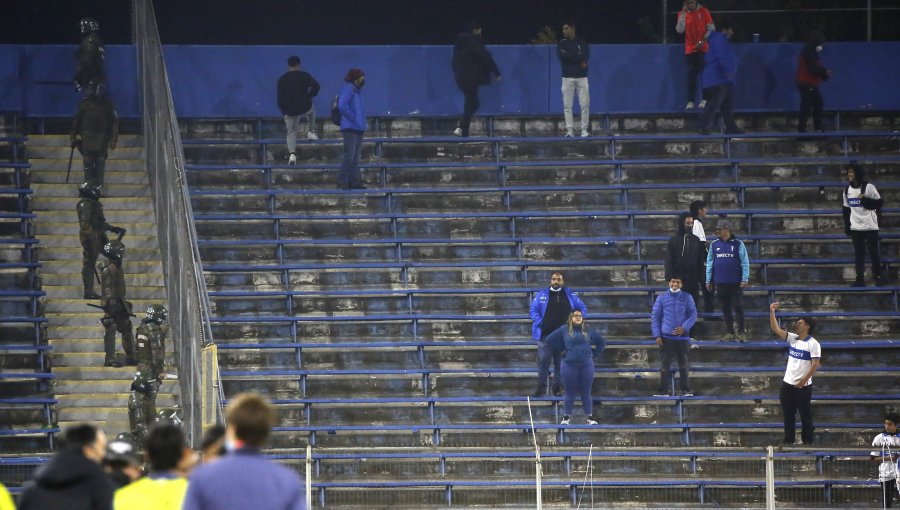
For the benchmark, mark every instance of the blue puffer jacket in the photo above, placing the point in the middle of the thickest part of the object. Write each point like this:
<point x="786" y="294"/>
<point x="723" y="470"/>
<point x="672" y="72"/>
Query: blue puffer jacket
<point x="720" y="63"/>
<point x="350" y="104"/>
<point x="576" y="347"/>
<point x="539" y="307"/>
<point x="673" y="309"/>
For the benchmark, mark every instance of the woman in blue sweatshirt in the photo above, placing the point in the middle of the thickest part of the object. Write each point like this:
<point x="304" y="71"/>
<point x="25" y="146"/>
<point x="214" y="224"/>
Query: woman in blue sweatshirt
<point x="578" y="345"/>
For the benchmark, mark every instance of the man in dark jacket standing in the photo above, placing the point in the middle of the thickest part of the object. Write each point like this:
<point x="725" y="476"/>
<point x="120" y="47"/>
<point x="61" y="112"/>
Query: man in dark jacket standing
<point x="718" y="76"/>
<point x="685" y="257"/>
<point x="72" y="479"/>
<point x="91" y="55"/>
<point x="810" y="74"/>
<point x="94" y="131"/>
<point x="296" y="89"/>
<point x="573" y="53"/>
<point x="472" y="67"/>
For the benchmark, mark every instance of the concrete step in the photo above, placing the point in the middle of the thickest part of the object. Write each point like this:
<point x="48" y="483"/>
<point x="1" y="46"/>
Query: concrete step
<point x="76" y="291"/>
<point x="71" y="228"/>
<point x="57" y="152"/>
<point x="87" y="319"/>
<point x="118" y="171"/>
<point x="124" y="140"/>
<point x="73" y="266"/>
<point x="57" y="306"/>
<point x="74" y="388"/>
<point x="73" y="254"/>
<point x="90" y="330"/>
<point x="110" y="204"/>
<point x="51" y="241"/>
<point x="99" y="374"/>
<point x="94" y="344"/>
<point x="67" y="191"/>
<point x="132" y="280"/>
<point x="112" y="427"/>
<point x="116" y="412"/>
<point x="163" y="399"/>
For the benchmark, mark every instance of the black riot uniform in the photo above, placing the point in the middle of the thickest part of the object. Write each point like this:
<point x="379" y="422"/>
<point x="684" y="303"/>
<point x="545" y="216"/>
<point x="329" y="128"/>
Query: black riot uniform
<point x="150" y="353"/>
<point x="95" y="130"/>
<point x="117" y="316"/>
<point x="92" y="228"/>
<point x="91" y="55"/>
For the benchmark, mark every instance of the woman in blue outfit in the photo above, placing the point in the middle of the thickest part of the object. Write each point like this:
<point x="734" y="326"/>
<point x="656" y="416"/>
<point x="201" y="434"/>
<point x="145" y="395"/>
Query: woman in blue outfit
<point x="578" y="345"/>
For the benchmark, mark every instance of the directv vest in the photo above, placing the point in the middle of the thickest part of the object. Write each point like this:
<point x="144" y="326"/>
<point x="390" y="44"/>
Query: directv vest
<point x="726" y="261"/>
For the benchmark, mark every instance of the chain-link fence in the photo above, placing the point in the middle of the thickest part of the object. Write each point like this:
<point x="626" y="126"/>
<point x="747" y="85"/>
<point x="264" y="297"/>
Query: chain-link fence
<point x="185" y="286"/>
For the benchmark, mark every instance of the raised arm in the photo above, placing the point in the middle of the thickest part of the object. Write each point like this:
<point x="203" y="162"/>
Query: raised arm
<point x="773" y="322"/>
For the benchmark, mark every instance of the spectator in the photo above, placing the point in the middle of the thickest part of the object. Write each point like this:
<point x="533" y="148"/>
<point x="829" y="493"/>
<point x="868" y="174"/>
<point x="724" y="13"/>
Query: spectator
<point x="165" y="486"/>
<point x="6" y="501"/>
<point x="353" y="125"/>
<point x="674" y="314"/>
<point x="862" y="216"/>
<point x="574" y="339"/>
<point x="72" y="479"/>
<point x="727" y="273"/>
<point x="95" y="130"/>
<point x="685" y="257"/>
<point x="698" y="211"/>
<point x="889" y="444"/>
<point x="121" y="462"/>
<point x="212" y="445"/>
<point x="245" y="478"/>
<point x="719" y="71"/>
<point x="796" y="389"/>
<point x="810" y="74"/>
<point x="696" y="23"/>
<point x="91" y="55"/>
<point x="573" y="53"/>
<point x="296" y="89"/>
<point x="550" y="309"/>
<point x="472" y="68"/>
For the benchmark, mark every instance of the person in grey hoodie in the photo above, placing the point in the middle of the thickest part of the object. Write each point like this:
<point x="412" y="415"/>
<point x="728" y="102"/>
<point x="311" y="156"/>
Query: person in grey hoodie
<point x="573" y="53"/>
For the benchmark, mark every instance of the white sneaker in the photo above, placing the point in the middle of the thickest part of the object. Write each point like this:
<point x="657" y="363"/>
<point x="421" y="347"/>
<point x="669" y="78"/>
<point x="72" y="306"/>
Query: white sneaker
<point x="457" y="131"/>
<point x="292" y="160"/>
<point x="565" y="420"/>
<point x="569" y="134"/>
<point x="592" y="421"/>
<point x="584" y="133"/>
<point x="702" y="104"/>
<point x="312" y="136"/>
<point x="689" y="105"/>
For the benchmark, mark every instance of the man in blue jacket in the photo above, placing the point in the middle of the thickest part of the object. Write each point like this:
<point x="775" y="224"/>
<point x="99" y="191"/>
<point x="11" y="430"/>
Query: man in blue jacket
<point x="674" y="314"/>
<point x="718" y="77"/>
<point x="550" y="309"/>
<point x="353" y="125"/>
<point x="727" y="273"/>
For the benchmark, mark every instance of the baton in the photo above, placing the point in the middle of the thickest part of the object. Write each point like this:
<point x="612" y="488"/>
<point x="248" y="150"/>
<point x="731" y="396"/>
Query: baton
<point x="69" y="170"/>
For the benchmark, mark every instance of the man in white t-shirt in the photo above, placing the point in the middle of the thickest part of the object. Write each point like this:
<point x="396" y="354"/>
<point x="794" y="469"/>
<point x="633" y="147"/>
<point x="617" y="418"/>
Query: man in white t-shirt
<point x="862" y="205"/>
<point x="886" y="456"/>
<point x="804" y="354"/>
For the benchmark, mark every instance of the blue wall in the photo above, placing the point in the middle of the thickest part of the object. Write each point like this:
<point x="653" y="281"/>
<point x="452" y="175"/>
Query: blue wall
<point x="239" y="81"/>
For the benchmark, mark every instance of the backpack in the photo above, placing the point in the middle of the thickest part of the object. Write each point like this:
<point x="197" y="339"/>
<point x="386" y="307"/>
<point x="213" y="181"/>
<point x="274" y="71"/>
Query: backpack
<point x="335" y="111"/>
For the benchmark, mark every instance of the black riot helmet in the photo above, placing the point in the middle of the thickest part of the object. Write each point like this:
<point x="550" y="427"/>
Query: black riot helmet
<point x="88" y="25"/>
<point x="88" y="190"/>
<point x="114" y="249"/>
<point x="156" y="313"/>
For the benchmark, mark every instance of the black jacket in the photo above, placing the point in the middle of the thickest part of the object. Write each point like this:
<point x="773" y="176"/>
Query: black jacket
<point x="685" y="255"/>
<point x="472" y="62"/>
<point x="573" y="56"/>
<point x="295" y="92"/>
<point x="68" y="481"/>
<point x="97" y="123"/>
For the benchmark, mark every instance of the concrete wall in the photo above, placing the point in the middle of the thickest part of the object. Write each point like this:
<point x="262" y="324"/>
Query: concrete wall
<point x="239" y="81"/>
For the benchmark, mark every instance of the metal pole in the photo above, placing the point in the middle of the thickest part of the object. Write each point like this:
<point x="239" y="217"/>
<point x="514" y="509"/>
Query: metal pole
<point x="309" y="504"/>
<point x="770" y="478"/>
<point x="665" y="32"/>
<point x="869" y="20"/>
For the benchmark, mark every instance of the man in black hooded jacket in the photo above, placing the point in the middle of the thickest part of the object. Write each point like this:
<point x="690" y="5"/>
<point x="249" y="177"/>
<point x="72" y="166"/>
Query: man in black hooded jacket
<point x="685" y="257"/>
<point x="862" y="217"/>
<point x="472" y="68"/>
<point x="72" y="479"/>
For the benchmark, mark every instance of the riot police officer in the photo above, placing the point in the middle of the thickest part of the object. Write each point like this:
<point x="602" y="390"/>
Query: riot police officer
<point x="95" y="130"/>
<point x="92" y="228"/>
<point x="151" y="353"/>
<point x="90" y="55"/>
<point x="117" y="316"/>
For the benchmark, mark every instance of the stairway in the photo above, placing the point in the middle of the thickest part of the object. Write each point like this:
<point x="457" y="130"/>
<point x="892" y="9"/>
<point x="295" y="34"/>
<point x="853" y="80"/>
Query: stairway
<point x="88" y="392"/>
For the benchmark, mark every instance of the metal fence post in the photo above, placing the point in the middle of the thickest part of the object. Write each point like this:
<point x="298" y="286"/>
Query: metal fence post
<point x="770" y="478"/>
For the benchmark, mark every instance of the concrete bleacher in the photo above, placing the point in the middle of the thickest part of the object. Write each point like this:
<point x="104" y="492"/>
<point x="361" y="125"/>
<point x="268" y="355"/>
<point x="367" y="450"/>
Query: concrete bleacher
<point x="395" y="318"/>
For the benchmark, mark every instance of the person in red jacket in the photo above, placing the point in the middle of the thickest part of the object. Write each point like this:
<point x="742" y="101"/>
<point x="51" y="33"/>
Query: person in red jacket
<point x="696" y="23"/>
<point x="810" y="74"/>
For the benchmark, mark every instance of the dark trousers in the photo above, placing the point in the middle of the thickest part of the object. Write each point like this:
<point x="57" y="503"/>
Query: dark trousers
<point x="720" y="98"/>
<point x="94" y="167"/>
<point x="545" y="356"/>
<point x="731" y="297"/>
<point x="579" y="377"/>
<point x="118" y="321"/>
<point x="674" y="350"/>
<point x="810" y="102"/>
<point x="866" y="240"/>
<point x="795" y="399"/>
<point x="350" y="175"/>
<point x="888" y="492"/>
<point x="694" y="68"/>
<point x="90" y="250"/>
<point x="471" y="105"/>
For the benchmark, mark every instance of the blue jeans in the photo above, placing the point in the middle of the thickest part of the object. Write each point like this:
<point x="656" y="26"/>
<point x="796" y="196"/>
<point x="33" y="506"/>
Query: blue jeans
<point x="579" y="377"/>
<point x="546" y="355"/>
<point x="350" y="175"/>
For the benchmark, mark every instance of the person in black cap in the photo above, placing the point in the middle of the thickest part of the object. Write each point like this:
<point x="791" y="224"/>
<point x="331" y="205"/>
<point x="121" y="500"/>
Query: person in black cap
<point x="727" y="273"/>
<point x="121" y="462"/>
<point x="353" y="125"/>
<point x="472" y="68"/>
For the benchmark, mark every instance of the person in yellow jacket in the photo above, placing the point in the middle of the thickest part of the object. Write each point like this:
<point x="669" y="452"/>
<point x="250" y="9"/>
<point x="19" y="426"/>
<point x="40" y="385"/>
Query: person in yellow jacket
<point x="164" y="488"/>
<point x="6" y="502"/>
